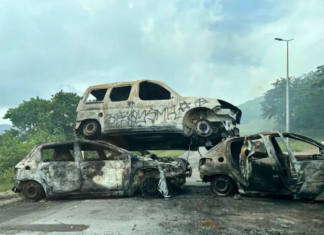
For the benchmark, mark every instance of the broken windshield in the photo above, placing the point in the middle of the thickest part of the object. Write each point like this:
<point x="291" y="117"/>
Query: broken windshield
<point x="96" y="95"/>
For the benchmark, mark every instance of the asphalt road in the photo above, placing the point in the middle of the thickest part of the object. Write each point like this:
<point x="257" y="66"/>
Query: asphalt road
<point x="193" y="210"/>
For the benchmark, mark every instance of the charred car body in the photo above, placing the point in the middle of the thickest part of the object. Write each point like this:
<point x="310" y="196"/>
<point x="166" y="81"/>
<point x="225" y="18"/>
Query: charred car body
<point x="97" y="169"/>
<point x="265" y="164"/>
<point x="148" y="114"/>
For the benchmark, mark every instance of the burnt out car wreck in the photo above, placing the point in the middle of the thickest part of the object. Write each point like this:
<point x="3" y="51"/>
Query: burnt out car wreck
<point x="95" y="168"/>
<point x="149" y="115"/>
<point x="264" y="164"/>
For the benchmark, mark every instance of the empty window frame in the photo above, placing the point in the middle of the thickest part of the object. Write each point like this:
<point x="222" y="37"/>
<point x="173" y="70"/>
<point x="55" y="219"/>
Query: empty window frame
<point x="152" y="91"/>
<point x="96" y="95"/>
<point x="298" y="147"/>
<point x="94" y="152"/>
<point x="120" y="93"/>
<point x="58" y="153"/>
<point x="236" y="147"/>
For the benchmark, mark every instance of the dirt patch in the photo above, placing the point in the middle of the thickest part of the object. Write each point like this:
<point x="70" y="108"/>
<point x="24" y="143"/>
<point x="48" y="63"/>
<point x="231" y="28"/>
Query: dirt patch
<point x="9" y="197"/>
<point x="210" y="224"/>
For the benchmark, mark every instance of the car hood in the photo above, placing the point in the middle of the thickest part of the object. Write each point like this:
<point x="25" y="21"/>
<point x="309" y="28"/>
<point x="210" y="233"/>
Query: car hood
<point x="211" y="103"/>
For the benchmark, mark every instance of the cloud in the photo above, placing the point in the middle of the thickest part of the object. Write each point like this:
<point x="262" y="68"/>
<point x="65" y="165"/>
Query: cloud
<point x="219" y="49"/>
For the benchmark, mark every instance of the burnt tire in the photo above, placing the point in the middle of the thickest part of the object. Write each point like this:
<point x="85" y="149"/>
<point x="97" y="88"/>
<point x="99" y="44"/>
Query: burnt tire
<point x="91" y="129"/>
<point x="150" y="188"/>
<point x="222" y="185"/>
<point x="32" y="191"/>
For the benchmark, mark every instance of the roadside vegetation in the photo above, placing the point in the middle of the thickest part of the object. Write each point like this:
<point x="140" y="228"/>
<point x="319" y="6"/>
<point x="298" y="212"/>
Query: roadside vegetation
<point x="6" y="179"/>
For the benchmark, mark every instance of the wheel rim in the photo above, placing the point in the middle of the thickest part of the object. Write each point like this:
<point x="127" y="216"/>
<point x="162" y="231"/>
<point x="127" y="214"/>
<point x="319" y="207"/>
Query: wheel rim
<point x="90" y="128"/>
<point x="32" y="191"/>
<point x="223" y="185"/>
<point x="203" y="128"/>
<point x="150" y="188"/>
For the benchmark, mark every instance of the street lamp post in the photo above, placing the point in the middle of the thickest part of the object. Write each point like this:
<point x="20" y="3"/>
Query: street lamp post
<point x="287" y="85"/>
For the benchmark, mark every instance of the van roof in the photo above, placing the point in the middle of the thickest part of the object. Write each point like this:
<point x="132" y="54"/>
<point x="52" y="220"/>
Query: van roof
<point x="115" y="84"/>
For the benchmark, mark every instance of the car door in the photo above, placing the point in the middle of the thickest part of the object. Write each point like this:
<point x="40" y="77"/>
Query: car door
<point x="119" y="103"/>
<point x="103" y="168"/>
<point x="60" y="168"/>
<point x="258" y="165"/>
<point x="155" y="107"/>
<point x="307" y="158"/>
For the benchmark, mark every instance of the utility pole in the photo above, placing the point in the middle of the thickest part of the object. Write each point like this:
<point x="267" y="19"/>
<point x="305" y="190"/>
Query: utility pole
<point x="287" y="86"/>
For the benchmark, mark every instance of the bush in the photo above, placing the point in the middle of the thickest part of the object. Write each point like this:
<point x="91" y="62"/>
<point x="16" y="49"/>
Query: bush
<point x="7" y="179"/>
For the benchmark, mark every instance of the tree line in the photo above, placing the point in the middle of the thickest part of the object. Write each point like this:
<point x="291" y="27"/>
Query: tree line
<point x="306" y="100"/>
<point x="37" y="121"/>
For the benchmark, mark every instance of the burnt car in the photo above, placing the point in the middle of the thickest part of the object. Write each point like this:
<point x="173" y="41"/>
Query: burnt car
<point x="266" y="164"/>
<point x="149" y="115"/>
<point x="94" y="168"/>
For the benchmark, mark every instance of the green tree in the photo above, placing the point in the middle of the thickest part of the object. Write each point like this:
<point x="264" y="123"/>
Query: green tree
<point x="310" y="113"/>
<point x="62" y="115"/>
<point x="56" y="116"/>
<point x="28" y="115"/>
<point x="306" y="102"/>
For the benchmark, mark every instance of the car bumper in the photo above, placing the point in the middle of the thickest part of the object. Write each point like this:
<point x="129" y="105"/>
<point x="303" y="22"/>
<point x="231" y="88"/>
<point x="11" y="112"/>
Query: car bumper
<point x="16" y="190"/>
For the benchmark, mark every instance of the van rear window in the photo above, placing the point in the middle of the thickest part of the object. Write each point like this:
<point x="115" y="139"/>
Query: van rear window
<point x="96" y="95"/>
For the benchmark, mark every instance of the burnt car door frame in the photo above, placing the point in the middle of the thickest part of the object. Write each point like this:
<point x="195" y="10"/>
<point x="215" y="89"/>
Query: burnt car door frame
<point x="309" y="183"/>
<point x="104" y="175"/>
<point x="157" y="114"/>
<point x="254" y="183"/>
<point x="62" y="177"/>
<point x="117" y="114"/>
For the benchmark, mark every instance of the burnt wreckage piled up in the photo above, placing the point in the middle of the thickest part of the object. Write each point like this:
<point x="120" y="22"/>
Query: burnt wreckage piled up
<point x="149" y="115"/>
<point x="141" y="115"/>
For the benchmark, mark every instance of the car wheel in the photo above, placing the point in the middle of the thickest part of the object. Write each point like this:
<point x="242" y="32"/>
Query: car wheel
<point x="32" y="191"/>
<point x="150" y="188"/>
<point x="91" y="129"/>
<point x="203" y="128"/>
<point x="222" y="185"/>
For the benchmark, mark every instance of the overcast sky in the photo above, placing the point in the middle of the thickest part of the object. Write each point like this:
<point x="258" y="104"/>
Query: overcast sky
<point x="219" y="49"/>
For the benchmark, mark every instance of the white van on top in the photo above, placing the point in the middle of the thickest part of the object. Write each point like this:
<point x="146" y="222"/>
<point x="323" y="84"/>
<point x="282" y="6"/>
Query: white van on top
<point x="148" y="114"/>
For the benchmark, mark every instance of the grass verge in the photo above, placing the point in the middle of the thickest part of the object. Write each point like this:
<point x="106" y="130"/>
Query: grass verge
<point x="6" y="180"/>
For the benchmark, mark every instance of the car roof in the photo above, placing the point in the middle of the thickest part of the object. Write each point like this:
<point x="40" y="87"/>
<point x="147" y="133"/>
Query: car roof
<point x="84" y="142"/>
<point x="276" y="133"/>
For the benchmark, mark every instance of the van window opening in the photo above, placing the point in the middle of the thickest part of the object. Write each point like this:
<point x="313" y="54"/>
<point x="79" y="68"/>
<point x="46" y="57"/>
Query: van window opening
<point x="120" y="93"/>
<point x="96" y="95"/>
<point x="151" y="91"/>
